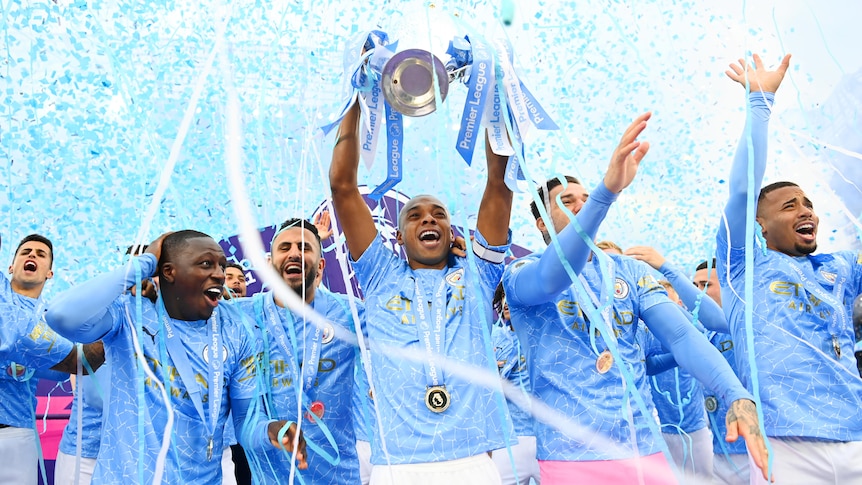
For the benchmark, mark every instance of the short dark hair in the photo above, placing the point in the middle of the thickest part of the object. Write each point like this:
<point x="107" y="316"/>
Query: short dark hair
<point x="497" y="301"/>
<point x="773" y="186"/>
<point x="304" y="224"/>
<point x="175" y="241"/>
<point x="235" y="266"/>
<point x="705" y="264"/>
<point x="37" y="238"/>
<point x="546" y="189"/>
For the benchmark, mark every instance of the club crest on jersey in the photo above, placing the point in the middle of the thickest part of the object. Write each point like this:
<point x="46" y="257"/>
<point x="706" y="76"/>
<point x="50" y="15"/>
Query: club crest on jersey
<point x="454" y="278"/>
<point x="621" y="288"/>
<point x="206" y="353"/>
<point x="830" y="277"/>
<point x="328" y="333"/>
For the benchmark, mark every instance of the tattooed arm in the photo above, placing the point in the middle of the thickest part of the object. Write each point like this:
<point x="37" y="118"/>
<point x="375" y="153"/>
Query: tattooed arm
<point x="742" y="421"/>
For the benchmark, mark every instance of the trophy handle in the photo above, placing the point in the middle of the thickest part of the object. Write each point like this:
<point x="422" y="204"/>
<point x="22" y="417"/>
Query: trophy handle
<point x="407" y="82"/>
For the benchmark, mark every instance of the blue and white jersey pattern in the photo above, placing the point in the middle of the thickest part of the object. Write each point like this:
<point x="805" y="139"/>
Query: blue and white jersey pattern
<point x="562" y="364"/>
<point x="364" y="419"/>
<point x="512" y="364"/>
<point x="804" y="389"/>
<point x="412" y="432"/>
<point x="677" y="395"/>
<point x="26" y="344"/>
<point x="127" y="457"/>
<point x="332" y="386"/>
<point x="94" y="391"/>
<point x="801" y="306"/>
<point x="724" y="343"/>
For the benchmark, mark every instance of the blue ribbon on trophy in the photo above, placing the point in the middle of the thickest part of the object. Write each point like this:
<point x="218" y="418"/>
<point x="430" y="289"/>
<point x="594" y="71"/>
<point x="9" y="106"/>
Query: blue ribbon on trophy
<point x="496" y="98"/>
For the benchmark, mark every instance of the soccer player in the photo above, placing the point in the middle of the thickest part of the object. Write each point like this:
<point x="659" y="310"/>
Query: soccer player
<point x="794" y="344"/>
<point x="201" y="351"/>
<point x="234" y="281"/>
<point x="436" y="425"/>
<point x="730" y="460"/>
<point x="580" y="376"/>
<point x="31" y="348"/>
<point x="512" y="364"/>
<point x="307" y="363"/>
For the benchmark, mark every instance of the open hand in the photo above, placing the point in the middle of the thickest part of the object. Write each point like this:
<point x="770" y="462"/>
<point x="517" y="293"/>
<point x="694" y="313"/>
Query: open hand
<point x="323" y="223"/>
<point x="757" y="77"/>
<point x="627" y="156"/>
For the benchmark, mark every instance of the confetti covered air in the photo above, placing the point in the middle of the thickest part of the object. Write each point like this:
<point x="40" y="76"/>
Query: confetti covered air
<point x="95" y="95"/>
<point x="115" y="115"/>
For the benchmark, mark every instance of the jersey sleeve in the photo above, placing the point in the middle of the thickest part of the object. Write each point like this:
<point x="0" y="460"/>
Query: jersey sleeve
<point x="37" y="346"/>
<point x="708" y="312"/>
<point x="375" y="265"/>
<point x="693" y="351"/>
<point x="544" y="281"/>
<point x="85" y="313"/>
<point x="489" y="260"/>
<point x="752" y="146"/>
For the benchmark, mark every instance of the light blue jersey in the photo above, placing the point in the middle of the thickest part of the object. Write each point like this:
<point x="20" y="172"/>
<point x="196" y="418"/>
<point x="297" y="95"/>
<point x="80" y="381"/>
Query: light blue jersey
<point x="136" y="416"/>
<point x="677" y="395"/>
<point x="412" y="431"/>
<point x="512" y="364"/>
<point x="329" y="389"/>
<point x="27" y="344"/>
<point x="364" y="422"/>
<point x="94" y="391"/>
<point x="801" y="309"/>
<point x="805" y="390"/>
<point x="562" y="364"/>
<point x="716" y="407"/>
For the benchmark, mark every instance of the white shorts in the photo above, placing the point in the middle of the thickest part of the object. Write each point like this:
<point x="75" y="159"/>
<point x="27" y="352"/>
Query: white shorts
<point x="363" y="452"/>
<point x="799" y="461"/>
<point x="526" y="465"/>
<point x="18" y="447"/>
<point x="475" y="470"/>
<point x="730" y="469"/>
<point x="228" y="469"/>
<point x="64" y="470"/>
<point x="691" y="453"/>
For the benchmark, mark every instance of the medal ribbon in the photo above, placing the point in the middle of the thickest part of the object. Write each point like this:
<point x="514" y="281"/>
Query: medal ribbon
<point x="424" y="329"/>
<point x="608" y="329"/>
<point x="181" y="361"/>
<point x="267" y="311"/>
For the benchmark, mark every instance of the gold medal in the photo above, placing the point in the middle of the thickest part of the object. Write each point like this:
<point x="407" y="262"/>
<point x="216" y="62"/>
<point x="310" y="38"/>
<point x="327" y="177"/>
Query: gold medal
<point x="437" y="398"/>
<point x="711" y="404"/>
<point x="604" y="362"/>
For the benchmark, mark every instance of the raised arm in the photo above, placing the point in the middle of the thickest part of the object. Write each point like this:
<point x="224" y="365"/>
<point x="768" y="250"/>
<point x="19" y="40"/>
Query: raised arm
<point x="496" y="206"/>
<point x="541" y="282"/>
<point x="696" y="355"/>
<point x="81" y="312"/>
<point x="762" y="85"/>
<point x="350" y="208"/>
<point x="709" y="313"/>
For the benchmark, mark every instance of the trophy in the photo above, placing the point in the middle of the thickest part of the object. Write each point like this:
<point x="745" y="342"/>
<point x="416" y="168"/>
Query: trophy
<point x="408" y="82"/>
